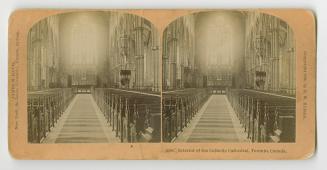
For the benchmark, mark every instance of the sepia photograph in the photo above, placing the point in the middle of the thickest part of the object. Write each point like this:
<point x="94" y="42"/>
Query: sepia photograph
<point x="162" y="84"/>
<point x="229" y="77"/>
<point x="93" y="77"/>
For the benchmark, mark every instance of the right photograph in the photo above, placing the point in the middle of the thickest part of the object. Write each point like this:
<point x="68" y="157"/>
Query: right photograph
<point x="229" y="76"/>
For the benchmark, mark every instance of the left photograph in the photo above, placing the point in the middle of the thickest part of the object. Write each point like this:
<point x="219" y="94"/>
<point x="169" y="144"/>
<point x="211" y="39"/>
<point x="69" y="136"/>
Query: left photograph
<point x="93" y="77"/>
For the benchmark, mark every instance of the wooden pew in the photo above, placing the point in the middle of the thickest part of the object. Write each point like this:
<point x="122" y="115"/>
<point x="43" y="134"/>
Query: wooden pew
<point x="265" y="117"/>
<point x="44" y="109"/>
<point x="134" y="116"/>
<point x="179" y="107"/>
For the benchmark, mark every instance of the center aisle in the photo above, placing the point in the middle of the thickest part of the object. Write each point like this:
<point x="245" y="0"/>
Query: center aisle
<point x="82" y="122"/>
<point x="215" y="122"/>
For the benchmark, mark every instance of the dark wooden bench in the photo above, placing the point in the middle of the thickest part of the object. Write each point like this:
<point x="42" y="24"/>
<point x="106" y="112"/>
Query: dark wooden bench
<point x="265" y="117"/>
<point x="44" y="110"/>
<point x="179" y="107"/>
<point x="131" y="114"/>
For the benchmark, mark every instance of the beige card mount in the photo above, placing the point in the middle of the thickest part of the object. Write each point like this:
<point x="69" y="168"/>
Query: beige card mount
<point x="162" y="84"/>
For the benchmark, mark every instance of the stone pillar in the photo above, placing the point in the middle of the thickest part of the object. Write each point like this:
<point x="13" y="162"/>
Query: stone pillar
<point x="139" y="53"/>
<point x="172" y="63"/>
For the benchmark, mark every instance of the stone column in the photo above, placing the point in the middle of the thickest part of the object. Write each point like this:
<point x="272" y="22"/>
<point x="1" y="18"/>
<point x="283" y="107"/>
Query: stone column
<point x="172" y="52"/>
<point x="139" y="53"/>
